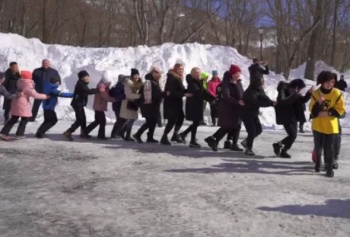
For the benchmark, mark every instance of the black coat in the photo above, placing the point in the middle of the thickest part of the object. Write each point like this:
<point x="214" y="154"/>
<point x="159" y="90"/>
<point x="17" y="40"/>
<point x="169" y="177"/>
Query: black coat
<point x="41" y="76"/>
<point x="194" y="104"/>
<point x="11" y="86"/>
<point x="229" y="109"/>
<point x="152" y="110"/>
<point x="173" y="103"/>
<point x="254" y="98"/>
<point x="341" y="85"/>
<point x="81" y="92"/>
<point x="257" y="72"/>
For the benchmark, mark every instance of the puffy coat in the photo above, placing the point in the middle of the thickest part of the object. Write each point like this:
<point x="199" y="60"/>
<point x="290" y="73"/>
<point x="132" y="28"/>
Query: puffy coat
<point x="257" y="72"/>
<point x="151" y="109"/>
<point x="131" y="95"/>
<point x="81" y="93"/>
<point x="117" y="92"/>
<point x="21" y="106"/>
<point x="102" y="97"/>
<point x="52" y="90"/>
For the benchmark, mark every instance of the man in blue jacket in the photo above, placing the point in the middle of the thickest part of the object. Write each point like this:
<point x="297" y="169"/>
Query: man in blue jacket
<point x="41" y="76"/>
<point x="50" y="117"/>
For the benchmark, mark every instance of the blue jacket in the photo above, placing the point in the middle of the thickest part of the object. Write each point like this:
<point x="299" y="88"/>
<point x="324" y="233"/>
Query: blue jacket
<point x="51" y="89"/>
<point x="117" y="92"/>
<point x="42" y="76"/>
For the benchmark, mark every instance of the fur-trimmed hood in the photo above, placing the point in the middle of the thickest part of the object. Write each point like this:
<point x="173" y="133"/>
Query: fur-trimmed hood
<point x="172" y="73"/>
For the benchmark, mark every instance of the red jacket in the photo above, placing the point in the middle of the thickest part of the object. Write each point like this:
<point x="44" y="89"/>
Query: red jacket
<point x="212" y="84"/>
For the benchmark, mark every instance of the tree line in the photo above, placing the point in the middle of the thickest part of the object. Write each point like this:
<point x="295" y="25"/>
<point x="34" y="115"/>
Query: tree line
<point x="295" y="31"/>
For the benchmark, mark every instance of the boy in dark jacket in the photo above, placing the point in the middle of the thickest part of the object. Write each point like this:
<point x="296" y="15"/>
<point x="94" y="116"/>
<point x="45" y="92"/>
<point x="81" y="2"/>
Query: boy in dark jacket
<point x="3" y="90"/>
<point x="257" y="70"/>
<point x="80" y="99"/>
<point x="50" y="117"/>
<point x="12" y="75"/>
<point x="288" y="112"/>
<point x="254" y="98"/>
<point x="117" y="92"/>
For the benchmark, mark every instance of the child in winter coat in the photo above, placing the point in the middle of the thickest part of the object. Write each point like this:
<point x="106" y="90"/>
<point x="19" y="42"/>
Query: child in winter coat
<point x="21" y="106"/>
<point x="80" y="100"/>
<point x="212" y="85"/>
<point x="50" y="116"/>
<point x="326" y="106"/>
<point x="254" y="98"/>
<point x="3" y="90"/>
<point x="289" y="110"/>
<point x="100" y="106"/>
<point x="117" y="92"/>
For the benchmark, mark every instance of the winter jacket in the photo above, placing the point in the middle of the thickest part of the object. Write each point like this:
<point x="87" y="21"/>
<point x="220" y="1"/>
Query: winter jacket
<point x="151" y="109"/>
<point x="290" y="108"/>
<point x="213" y="84"/>
<point x="229" y="109"/>
<point x="117" y="92"/>
<point x="173" y="103"/>
<point x="6" y="94"/>
<point x="194" y="104"/>
<point x="102" y="98"/>
<point x="254" y="98"/>
<point x="131" y="97"/>
<point x="257" y="72"/>
<point x="21" y="106"/>
<point x="81" y="93"/>
<point x="334" y="104"/>
<point x="11" y="85"/>
<point x="341" y="85"/>
<point x="41" y="76"/>
<point x="52" y="90"/>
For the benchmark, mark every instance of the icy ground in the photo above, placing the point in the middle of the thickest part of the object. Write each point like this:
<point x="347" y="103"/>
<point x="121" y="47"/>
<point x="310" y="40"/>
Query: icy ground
<point x="55" y="188"/>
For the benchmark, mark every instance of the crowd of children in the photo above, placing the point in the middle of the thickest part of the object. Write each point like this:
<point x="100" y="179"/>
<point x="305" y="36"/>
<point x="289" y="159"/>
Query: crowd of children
<point x="230" y="106"/>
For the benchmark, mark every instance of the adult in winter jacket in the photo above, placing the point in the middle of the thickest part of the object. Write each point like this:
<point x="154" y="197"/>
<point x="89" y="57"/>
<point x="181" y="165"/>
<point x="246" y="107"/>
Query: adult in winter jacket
<point x="41" y="76"/>
<point x="194" y="105"/>
<point x="12" y="76"/>
<point x="130" y="105"/>
<point x="229" y="111"/>
<point x="327" y="105"/>
<point x="254" y="98"/>
<point x="212" y="85"/>
<point x="151" y="99"/>
<point x="21" y="107"/>
<point x="117" y="92"/>
<point x="173" y="104"/>
<point x="100" y="106"/>
<point x="3" y="90"/>
<point x="257" y="70"/>
<point x="289" y="109"/>
<point x="50" y="116"/>
<point x="79" y="101"/>
<point x="341" y="84"/>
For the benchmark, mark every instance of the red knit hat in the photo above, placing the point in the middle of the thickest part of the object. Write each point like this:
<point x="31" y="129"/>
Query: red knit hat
<point x="26" y="75"/>
<point x="234" y="69"/>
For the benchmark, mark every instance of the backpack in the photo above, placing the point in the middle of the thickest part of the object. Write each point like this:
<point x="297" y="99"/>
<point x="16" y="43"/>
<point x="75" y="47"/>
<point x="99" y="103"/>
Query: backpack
<point x="117" y="92"/>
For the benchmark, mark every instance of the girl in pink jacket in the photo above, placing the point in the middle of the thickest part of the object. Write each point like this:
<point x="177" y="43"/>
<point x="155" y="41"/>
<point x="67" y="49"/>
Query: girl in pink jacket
<point x="21" y="106"/>
<point x="212" y="85"/>
<point x="100" y="106"/>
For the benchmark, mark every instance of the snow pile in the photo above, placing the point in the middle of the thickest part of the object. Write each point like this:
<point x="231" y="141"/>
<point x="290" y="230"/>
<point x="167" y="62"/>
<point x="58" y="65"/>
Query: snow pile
<point x="70" y="60"/>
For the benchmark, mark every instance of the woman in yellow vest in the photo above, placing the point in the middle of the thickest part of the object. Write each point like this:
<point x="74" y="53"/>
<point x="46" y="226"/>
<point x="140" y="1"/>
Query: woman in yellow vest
<point x="326" y="106"/>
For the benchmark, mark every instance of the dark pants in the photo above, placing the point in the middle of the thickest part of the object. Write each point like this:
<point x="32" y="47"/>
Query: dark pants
<point x="118" y="125"/>
<point x="159" y="120"/>
<point x="193" y="130"/>
<point x="254" y="129"/>
<point x="232" y="134"/>
<point x="150" y="124"/>
<point x="7" y="108"/>
<point x="292" y="131"/>
<point x="80" y="120"/>
<point x="337" y="143"/>
<point x="50" y="119"/>
<point x="12" y="121"/>
<point x="100" y="120"/>
<point x="176" y="122"/>
<point x="127" y="128"/>
<point x="325" y="142"/>
<point x="213" y="113"/>
<point x="35" y="109"/>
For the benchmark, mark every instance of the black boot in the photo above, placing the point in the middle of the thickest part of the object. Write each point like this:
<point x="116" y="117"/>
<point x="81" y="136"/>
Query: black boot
<point x="39" y="135"/>
<point x="68" y="135"/>
<point x="127" y="137"/>
<point x="277" y="148"/>
<point x="235" y="147"/>
<point x="227" y="145"/>
<point x="317" y="166"/>
<point x="137" y="137"/>
<point x="335" y="165"/>
<point x="183" y="137"/>
<point x="194" y="144"/>
<point x="165" y="141"/>
<point x="176" y="138"/>
<point x="330" y="172"/>
<point x="284" y="154"/>
<point x="150" y="139"/>
<point x="249" y="152"/>
<point x="212" y="143"/>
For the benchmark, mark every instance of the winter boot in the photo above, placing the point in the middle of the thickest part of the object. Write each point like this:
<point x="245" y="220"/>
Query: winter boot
<point x="330" y="172"/>
<point x="301" y="129"/>
<point x="165" y="141"/>
<point x="150" y="139"/>
<point x="183" y="137"/>
<point x="38" y="135"/>
<point x="227" y="145"/>
<point x="194" y="144"/>
<point x="212" y="143"/>
<point x="68" y="135"/>
<point x="176" y="138"/>
<point x="277" y="148"/>
<point x="137" y="138"/>
<point x="235" y="147"/>
<point x="249" y="152"/>
<point x="318" y="166"/>
<point x="85" y="136"/>
<point x="335" y="165"/>
<point x="284" y="154"/>
<point x="127" y="137"/>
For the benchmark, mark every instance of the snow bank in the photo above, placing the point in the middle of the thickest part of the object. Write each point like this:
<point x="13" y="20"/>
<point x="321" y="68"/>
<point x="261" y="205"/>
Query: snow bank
<point x="70" y="60"/>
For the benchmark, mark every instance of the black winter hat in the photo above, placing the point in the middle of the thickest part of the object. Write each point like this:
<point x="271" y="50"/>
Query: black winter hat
<point x="55" y="79"/>
<point x="134" y="71"/>
<point x="325" y="76"/>
<point x="297" y="83"/>
<point x="82" y="74"/>
<point x="2" y="75"/>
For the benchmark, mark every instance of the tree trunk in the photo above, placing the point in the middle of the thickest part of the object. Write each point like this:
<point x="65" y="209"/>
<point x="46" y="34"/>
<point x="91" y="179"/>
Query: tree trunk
<point x="334" y="36"/>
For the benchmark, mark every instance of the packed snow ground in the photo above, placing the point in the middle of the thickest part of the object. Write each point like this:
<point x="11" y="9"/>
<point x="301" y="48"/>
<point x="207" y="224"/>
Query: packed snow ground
<point x="70" y="60"/>
<point x="87" y="188"/>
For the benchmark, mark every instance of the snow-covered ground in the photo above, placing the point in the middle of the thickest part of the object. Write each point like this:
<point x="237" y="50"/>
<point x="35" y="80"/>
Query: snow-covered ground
<point x="69" y="60"/>
<point x="55" y="188"/>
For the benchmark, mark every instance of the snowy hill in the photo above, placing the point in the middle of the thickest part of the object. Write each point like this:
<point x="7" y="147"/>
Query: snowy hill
<point x="69" y="60"/>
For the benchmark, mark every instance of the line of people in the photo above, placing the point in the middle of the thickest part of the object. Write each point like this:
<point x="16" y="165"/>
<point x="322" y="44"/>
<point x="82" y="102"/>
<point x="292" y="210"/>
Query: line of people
<point x="229" y="102"/>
